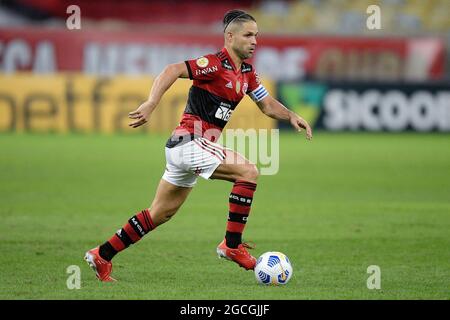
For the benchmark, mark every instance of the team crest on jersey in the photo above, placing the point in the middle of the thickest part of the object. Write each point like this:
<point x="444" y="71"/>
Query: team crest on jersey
<point x="244" y="88"/>
<point x="202" y="62"/>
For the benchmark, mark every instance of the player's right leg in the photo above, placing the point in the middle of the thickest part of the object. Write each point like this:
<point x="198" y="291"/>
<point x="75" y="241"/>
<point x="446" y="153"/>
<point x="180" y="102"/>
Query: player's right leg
<point x="167" y="201"/>
<point x="171" y="193"/>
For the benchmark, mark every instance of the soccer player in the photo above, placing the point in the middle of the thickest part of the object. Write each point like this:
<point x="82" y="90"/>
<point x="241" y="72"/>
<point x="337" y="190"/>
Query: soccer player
<point x="220" y="81"/>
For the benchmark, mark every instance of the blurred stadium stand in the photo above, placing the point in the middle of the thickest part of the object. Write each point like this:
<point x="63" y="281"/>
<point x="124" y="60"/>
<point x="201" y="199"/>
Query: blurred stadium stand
<point x="412" y="17"/>
<point x="317" y="56"/>
<point x="106" y="13"/>
<point x="289" y="17"/>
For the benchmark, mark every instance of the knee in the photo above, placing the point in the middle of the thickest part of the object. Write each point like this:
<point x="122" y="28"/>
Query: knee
<point x="250" y="173"/>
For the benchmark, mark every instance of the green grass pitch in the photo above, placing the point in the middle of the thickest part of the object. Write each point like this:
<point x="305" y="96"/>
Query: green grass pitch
<point x="338" y="204"/>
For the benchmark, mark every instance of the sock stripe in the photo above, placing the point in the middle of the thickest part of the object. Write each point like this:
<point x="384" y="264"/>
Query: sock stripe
<point x="116" y="243"/>
<point x="237" y="217"/>
<point x="134" y="237"/>
<point x="235" y="227"/>
<point x="239" y="209"/>
<point x="243" y="183"/>
<point x="246" y="182"/>
<point x="124" y="237"/>
<point x="147" y="223"/>
<point x="243" y="191"/>
<point x="246" y="187"/>
<point x="148" y="219"/>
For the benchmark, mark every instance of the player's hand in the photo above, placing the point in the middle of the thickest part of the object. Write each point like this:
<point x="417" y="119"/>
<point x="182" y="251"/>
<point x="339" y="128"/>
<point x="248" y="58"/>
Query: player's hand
<point x="141" y="115"/>
<point x="299" y="123"/>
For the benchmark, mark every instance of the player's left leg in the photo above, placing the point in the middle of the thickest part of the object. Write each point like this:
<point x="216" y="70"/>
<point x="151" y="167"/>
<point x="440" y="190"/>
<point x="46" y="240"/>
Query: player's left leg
<point x="211" y="160"/>
<point x="244" y="174"/>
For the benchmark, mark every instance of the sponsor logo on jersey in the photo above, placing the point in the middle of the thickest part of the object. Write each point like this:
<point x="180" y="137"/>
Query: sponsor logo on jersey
<point x="224" y="112"/>
<point x="206" y="70"/>
<point x="227" y="65"/>
<point x="229" y="85"/>
<point x="246" y="68"/>
<point x="202" y="62"/>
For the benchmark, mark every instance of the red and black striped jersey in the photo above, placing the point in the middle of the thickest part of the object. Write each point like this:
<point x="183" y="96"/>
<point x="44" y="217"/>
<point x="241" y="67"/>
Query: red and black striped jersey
<point x="217" y="89"/>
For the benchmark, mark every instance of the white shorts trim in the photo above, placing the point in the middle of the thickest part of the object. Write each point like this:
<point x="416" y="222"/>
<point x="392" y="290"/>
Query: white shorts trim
<point x="199" y="157"/>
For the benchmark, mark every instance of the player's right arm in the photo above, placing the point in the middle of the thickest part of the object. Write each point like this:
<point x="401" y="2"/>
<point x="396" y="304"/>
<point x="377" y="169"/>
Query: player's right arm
<point x="161" y="84"/>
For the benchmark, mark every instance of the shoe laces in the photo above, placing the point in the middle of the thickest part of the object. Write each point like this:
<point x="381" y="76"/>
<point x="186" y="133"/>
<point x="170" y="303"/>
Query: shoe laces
<point x="249" y="245"/>
<point x="246" y="245"/>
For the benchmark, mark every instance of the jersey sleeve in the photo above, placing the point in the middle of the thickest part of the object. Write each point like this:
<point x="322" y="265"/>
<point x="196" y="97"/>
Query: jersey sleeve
<point x="256" y="90"/>
<point x="204" y="68"/>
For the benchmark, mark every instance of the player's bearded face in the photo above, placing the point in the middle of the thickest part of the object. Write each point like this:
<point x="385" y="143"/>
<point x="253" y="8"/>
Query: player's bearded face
<point x="244" y="39"/>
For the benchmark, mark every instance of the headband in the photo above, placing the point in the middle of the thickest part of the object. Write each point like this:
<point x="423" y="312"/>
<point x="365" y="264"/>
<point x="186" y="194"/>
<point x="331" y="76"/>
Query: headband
<point x="238" y="16"/>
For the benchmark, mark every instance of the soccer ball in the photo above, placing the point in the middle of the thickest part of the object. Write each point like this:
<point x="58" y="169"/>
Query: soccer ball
<point x="273" y="268"/>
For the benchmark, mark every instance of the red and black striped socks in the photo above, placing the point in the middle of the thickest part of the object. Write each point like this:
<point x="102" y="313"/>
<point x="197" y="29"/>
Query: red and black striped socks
<point x="240" y="202"/>
<point x="137" y="227"/>
<point x="241" y="198"/>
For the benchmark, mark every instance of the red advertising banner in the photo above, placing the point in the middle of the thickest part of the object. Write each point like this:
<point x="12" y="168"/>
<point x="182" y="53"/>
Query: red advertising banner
<point x="278" y="57"/>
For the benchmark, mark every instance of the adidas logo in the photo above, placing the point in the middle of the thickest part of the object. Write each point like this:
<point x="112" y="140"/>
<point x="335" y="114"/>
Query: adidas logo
<point x="229" y="85"/>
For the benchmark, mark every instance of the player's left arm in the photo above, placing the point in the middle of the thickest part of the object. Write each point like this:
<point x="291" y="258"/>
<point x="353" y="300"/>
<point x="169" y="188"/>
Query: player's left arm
<point x="276" y="110"/>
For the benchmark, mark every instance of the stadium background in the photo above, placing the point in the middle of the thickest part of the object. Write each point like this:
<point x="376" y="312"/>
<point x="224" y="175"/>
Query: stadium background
<point x="371" y="189"/>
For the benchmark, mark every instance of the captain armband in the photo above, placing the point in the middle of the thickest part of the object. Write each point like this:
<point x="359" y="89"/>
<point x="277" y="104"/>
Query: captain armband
<point x="259" y="93"/>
